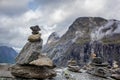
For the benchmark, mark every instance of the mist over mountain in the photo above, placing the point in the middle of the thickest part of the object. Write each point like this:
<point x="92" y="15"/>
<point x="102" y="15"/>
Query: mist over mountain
<point x="87" y="35"/>
<point x="7" y="54"/>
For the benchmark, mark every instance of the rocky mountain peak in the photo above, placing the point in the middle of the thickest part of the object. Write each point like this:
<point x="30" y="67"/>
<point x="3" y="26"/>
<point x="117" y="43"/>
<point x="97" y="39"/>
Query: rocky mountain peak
<point x="87" y="22"/>
<point x="93" y="28"/>
<point x="85" y="26"/>
<point x="53" y="38"/>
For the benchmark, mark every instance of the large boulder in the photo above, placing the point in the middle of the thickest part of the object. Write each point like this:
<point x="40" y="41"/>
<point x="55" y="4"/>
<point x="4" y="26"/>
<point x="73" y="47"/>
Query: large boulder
<point x="42" y="61"/>
<point x="30" y="52"/>
<point x="32" y="72"/>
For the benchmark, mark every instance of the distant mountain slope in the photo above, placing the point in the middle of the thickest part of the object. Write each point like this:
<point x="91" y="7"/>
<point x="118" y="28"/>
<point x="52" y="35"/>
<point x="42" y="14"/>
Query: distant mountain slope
<point x="54" y="37"/>
<point x="85" y="36"/>
<point x="7" y="54"/>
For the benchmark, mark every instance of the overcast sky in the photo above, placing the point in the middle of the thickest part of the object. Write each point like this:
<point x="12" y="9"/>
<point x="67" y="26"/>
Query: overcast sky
<point x="16" y="16"/>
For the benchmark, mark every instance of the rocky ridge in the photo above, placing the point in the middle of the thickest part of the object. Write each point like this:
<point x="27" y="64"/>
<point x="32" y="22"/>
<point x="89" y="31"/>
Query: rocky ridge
<point x="87" y="35"/>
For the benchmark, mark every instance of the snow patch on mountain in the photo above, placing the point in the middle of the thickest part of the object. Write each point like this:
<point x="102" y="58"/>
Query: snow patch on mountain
<point x="111" y="27"/>
<point x="77" y="35"/>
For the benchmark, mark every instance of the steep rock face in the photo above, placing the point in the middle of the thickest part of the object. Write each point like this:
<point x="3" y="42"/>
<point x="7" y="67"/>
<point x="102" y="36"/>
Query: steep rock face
<point x="51" y="42"/>
<point x="32" y="72"/>
<point x="7" y="54"/>
<point x="30" y="52"/>
<point x="85" y="36"/>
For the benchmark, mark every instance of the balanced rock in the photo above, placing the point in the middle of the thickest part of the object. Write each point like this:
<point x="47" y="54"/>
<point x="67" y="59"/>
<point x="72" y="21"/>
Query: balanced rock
<point x="30" y="52"/>
<point x="35" y="29"/>
<point x="32" y="72"/>
<point x="34" y="37"/>
<point x="42" y="61"/>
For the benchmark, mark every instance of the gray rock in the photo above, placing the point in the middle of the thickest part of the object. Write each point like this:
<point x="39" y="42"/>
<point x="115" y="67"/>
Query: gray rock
<point x="35" y="29"/>
<point x="116" y="76"/>
<point x="74" y="68"/>
<point x="100" y="71"/>
<point x="32" y="72"/>
<point x="34" y="38"/>
<point x="42" y="61"/>
<point x="97" y="60"/>
<point x="99" y="68"/>
<point x="30" y="52"/>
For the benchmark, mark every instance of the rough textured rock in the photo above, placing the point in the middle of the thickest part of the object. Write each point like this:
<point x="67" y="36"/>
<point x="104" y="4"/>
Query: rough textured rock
<point x="42" y="61"/>
<point x="34" y="72"/>
<point x="35" y="29"/>
<point x="34" y="37"/>
<point x="97" y="60"/>
<point x="72" y="66"/>
<point x="116" y="76"/>
<point x="60" y="76"/>
<point x="116" y="73"/>
<point x="30" y="52"/>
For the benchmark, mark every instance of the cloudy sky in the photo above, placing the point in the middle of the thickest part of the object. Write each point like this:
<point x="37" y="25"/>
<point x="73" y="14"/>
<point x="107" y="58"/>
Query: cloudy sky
<point x="16" y="16"/>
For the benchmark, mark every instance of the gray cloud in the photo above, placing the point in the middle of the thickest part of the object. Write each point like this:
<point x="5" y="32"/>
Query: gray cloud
<point x="13" y="7"/>
<point x="51" y="15"/>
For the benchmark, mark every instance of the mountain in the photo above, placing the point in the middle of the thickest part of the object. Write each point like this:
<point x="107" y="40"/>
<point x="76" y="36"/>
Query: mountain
<point x="7" y="54"/>
<point x="87" y="35"/>
<point x="54" y="37"/>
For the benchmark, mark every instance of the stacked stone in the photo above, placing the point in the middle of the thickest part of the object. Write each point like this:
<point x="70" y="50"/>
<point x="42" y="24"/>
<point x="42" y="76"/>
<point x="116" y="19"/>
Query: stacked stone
<point x="72" y="66"/>
<point x="99" y="68"/>
<point x="36" y="36"/>
<point x="30" y="63"/>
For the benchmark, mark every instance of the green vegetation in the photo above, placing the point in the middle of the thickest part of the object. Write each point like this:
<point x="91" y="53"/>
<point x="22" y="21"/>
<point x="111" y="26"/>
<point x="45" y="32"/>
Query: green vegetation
<point x="82" y="40"/>
<point x="110" y="41"/>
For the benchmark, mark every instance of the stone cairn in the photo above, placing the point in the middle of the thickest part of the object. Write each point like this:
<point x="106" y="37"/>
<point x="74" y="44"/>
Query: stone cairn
<point x="99" y="68"/>
<point x="72" y="66"/>
<point x="30" y="63"/>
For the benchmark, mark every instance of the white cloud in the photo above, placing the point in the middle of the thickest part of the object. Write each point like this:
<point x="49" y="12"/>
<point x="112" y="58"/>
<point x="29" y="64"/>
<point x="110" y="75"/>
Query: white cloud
<point x="94" y="5"/>
<point x="50" y="16"/>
